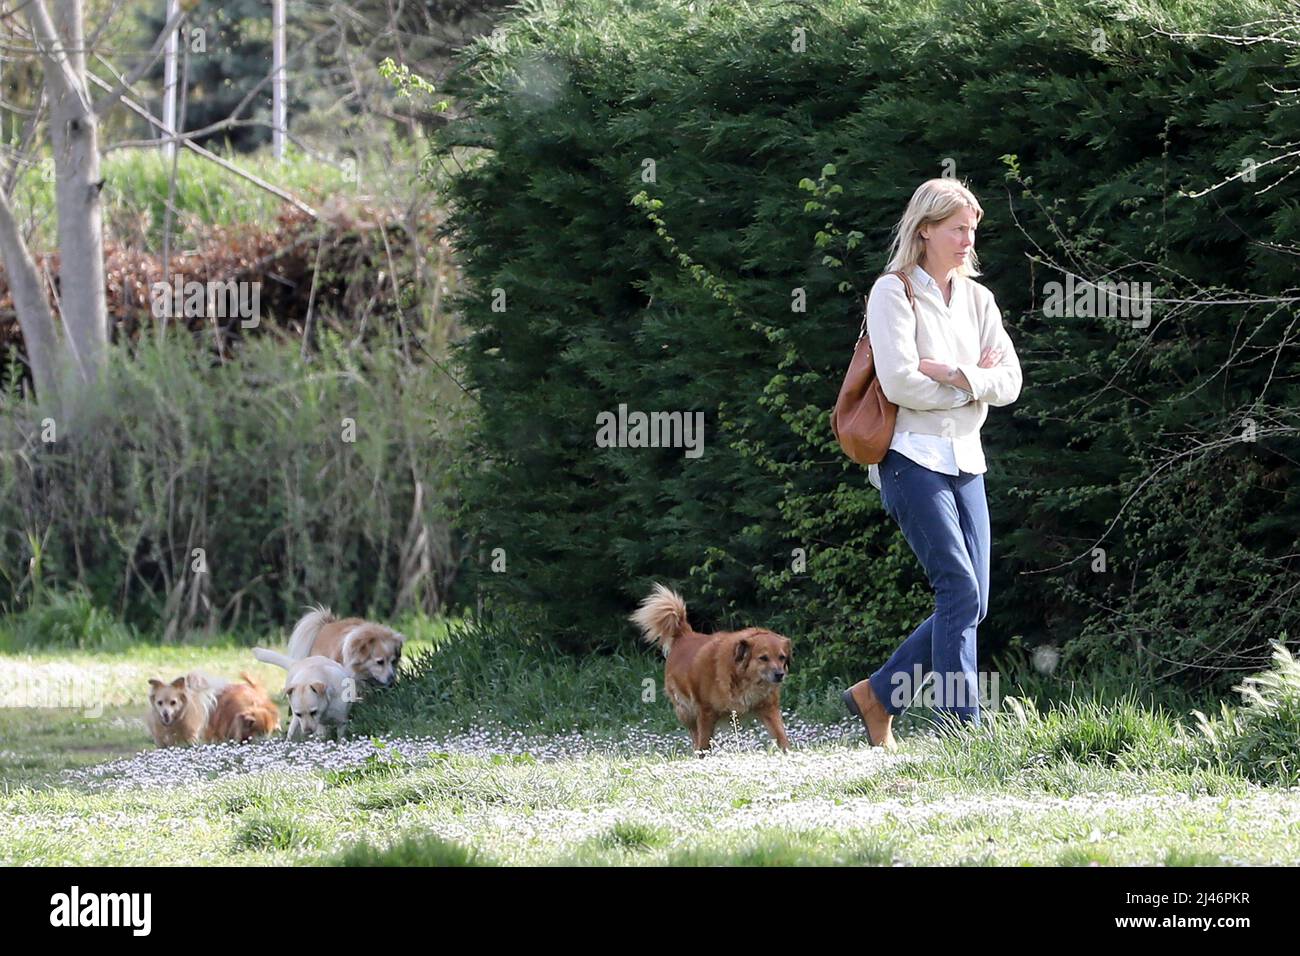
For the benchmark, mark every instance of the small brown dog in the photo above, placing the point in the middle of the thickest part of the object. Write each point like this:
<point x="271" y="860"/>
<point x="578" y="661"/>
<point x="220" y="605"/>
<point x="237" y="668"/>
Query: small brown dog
<point x="179" y="711"/>
<point x="243" y="711"/>
<point x="708" y="676"/>
<point x="370" y="652"/>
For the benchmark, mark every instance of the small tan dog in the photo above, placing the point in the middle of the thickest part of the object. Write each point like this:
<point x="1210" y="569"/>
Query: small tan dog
<point x="708" y="676"/>
<point x="320" y="692"/>
<point x="243" y="711"/>
<point x="370" y="652"/>
<point x="179" y="711"/>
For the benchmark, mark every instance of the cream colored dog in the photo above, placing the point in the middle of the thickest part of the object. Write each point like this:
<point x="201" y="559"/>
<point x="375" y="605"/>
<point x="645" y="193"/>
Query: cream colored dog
<point x="320" y="693"/>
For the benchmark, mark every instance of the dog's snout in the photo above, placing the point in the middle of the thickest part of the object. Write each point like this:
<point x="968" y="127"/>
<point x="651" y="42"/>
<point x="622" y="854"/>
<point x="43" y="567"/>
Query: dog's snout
<point x="778" y="677"/>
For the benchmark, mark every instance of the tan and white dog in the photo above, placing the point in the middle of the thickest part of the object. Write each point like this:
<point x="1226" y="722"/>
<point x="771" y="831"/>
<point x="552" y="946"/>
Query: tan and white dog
<point x="371" y="652"/>
<point x="179" y="711"/>
<point x="320" y="693"/>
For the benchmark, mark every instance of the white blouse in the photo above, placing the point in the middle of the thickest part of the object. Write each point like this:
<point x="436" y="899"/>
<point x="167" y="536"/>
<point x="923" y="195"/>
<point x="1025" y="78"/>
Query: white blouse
<point x="948" y="456"/>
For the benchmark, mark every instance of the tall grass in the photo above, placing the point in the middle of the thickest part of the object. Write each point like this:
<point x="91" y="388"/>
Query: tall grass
<point x="66" y="620"/>
<point x="1022" y="738"/>
<point x="1261" y="738"/>
<point x="1258" y="741"/>
<point x="218" y="497"/>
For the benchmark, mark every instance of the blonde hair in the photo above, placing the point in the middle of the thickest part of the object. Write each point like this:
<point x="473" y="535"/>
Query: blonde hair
<point x="934" y="201"/>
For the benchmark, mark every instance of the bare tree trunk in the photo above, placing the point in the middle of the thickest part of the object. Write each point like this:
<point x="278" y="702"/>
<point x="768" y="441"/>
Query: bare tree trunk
<point x="74" y="134"/>
<point x="34" y="316"/>
<point x="169" y="82"/>
<point x="64" y="364"/>
<point x="278" y="107"/>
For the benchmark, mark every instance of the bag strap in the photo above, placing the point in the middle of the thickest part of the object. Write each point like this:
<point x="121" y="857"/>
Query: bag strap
<point x="911" y="300"/>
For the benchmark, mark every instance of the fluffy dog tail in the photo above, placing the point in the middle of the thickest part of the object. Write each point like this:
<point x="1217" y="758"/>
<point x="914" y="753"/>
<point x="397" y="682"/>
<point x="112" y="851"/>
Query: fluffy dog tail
<point x="271" y="657"/>
<point x="252" y="681"/>
<point x="200" y="681"/>
<point x="206" y="688"/>
<point x="661" y="617"/>
<point x="305" y="631"/>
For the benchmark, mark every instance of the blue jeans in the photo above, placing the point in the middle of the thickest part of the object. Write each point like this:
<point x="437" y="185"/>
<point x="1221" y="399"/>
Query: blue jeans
<point x="945" y="519"/>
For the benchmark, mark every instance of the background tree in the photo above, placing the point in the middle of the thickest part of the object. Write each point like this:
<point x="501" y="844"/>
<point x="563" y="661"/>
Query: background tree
<point x="63" y="363"/>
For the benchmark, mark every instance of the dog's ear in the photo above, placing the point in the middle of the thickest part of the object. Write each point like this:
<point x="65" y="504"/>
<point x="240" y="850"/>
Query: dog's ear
<point x="179" y="682"/>
<point x="742" y="651"/>
<point x="789" y="654"/>
<point x="319" y="688"/>
<point x="155" y="683"/>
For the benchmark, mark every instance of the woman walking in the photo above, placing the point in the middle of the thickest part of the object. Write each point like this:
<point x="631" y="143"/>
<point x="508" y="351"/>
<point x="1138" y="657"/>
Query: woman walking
<point x="943" y="358"/>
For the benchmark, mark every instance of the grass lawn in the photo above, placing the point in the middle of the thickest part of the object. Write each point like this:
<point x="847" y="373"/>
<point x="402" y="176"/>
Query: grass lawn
<point x="447" y="770"/>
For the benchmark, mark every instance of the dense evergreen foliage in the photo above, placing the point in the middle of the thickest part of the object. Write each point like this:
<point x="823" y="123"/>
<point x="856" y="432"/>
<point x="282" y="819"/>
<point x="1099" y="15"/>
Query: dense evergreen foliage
<point x="679" y="208"/>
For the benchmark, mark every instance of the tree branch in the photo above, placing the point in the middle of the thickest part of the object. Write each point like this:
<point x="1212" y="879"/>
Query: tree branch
<point x="109" y="99"/>
<point x="213" y="157"/>
<point x="59" y="69"/>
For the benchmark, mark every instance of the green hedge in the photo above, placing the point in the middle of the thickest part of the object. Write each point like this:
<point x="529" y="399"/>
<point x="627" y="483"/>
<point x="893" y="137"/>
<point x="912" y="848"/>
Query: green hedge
<point x="785" y="141"/>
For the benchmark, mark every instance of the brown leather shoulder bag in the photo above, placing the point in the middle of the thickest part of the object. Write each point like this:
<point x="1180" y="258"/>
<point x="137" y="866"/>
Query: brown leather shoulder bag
<point x="863" y="419"/>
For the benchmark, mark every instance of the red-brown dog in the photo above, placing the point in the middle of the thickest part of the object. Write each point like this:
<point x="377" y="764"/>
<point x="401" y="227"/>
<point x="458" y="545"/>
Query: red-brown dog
<point x="244" y="711"/>
<point x="709" y="676"/>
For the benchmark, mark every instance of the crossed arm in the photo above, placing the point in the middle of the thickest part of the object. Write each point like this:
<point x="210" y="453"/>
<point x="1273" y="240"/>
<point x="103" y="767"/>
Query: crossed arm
<point x="928" y="385"/>
<point x="891" y="325"/>
<point x="998" y="380"/>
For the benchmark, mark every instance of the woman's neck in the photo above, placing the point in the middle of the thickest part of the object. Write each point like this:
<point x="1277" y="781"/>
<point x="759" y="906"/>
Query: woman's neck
<point x="944" y="283"/>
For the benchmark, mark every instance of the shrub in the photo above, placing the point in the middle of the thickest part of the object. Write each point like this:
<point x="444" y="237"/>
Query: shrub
<point x="726" y="196"/>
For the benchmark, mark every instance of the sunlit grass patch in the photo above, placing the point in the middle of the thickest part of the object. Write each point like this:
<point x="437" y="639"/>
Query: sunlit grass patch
<point x="259" y="830"/>
<point x="1182" y="857"/>
<point x="411" y="850"/>
<point x="634" y="835"/>
<point x="806" y="848"/>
